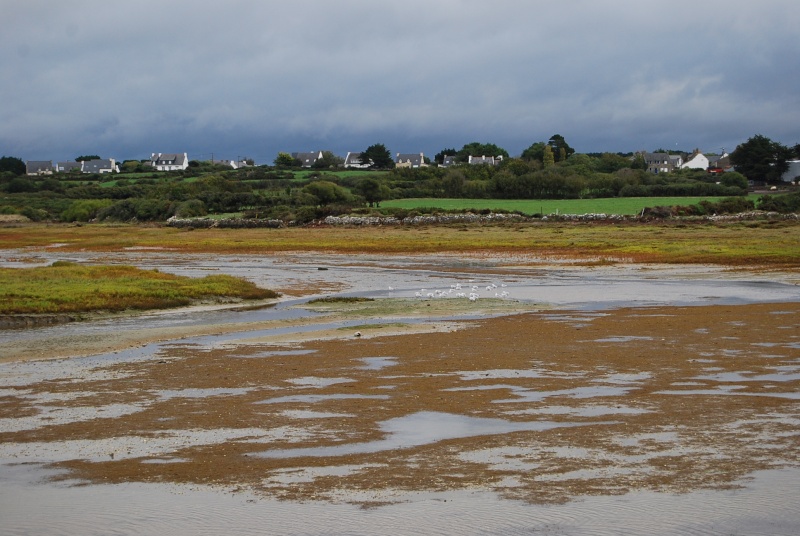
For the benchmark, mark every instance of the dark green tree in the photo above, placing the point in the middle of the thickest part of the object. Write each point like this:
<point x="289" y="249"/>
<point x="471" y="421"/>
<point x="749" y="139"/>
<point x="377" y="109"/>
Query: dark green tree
<point x="12" y="164"/>
<point x="610" y="162"/>
<point x="761" y="159"/>
<point x="379" y="155"/>
<point x="328" y="160"/>
<point x="480" y="149"/>
<point x="370" y="189"/>
<point x="86" y="158"/>
<point x="561" y="149"/>
<point x="327" y="192"/>
<point x="638" y="162"/>
<point x="286" y="160"/>
<point x="548" y="158"/>
<point x="534" y="152"/>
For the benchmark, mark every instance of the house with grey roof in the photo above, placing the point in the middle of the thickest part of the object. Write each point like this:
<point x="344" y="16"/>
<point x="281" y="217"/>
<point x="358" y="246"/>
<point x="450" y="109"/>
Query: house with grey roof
<point x="658" y="162"/>
<point x="307" y="159"/>
<point x="169" y="161"/>
<point x="39" y="167"/>
<point x="411" y="160"/>
<point x="449" y="160"/>
<point x="66" y="167"/>
<point x="485" y="160"/>
<point x="353" y="160"/>
<point x="103" y="165"/>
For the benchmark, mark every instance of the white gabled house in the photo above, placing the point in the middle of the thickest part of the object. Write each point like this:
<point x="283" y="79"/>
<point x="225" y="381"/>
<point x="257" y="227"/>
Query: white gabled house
<point x="103" y="165"/>
<point x="696" y="160"/>
<point x="353" y="160"/>
<point x="169" y="161"/>
<point x="485" y="160"/>
<point x="307" y="159"/>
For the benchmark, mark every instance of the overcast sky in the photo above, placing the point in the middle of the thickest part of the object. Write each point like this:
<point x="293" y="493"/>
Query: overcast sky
<point x="238" y="78"/>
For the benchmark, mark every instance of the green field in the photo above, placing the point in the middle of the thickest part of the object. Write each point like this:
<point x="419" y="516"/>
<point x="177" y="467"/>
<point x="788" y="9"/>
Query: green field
<point x="615" y="205"/>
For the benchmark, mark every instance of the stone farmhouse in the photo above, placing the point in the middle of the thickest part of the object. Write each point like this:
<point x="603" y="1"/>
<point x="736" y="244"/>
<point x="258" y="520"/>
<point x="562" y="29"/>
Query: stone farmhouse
<point x="412" y="160"/>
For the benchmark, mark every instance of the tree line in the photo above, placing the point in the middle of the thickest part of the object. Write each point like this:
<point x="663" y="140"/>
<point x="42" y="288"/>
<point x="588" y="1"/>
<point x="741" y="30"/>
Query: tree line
<point x="285" y="193"/>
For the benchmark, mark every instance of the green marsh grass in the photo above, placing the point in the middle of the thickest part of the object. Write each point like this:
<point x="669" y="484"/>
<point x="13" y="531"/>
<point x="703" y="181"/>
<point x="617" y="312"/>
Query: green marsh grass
<point x="729" y="243"/>
<point x="615" y="205"/>
<point x="65" y="287"/>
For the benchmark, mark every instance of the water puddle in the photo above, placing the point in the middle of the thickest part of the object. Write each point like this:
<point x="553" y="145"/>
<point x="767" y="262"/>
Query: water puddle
<point x="623" y="338"/>
<point x="54" y="416"/>
<point x="422" y="428"/>
<point x="168" y="394"/>
<point x="308" y="414"/>
<point x="312" y="399"/>
<point x="582" y="411"/>
<point x="377" y="363"/>
<point x="313" y="381"/>
<point x="163" y="446"/>
<point x="750" y="377"/>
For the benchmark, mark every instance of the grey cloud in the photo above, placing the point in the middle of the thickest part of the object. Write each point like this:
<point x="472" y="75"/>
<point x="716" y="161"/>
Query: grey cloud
<point x="259" y="77"/>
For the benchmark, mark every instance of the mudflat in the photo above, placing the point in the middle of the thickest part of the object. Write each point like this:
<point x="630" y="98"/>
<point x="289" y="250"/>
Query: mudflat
<point x="543" y="406"/>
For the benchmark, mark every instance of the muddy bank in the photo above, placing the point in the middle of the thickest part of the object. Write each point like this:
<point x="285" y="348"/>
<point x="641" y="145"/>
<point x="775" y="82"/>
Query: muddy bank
<point x="543" y="407"/>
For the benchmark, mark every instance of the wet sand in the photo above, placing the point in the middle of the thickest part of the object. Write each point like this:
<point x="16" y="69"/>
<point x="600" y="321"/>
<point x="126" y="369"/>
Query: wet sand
<point x="544" y="407"/>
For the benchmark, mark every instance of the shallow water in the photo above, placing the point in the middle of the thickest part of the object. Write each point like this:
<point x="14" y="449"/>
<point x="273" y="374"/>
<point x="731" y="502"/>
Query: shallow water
<point x="765" y="505"/>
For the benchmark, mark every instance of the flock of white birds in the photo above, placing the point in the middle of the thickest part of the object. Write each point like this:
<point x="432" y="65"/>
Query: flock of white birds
<point x="470" y="291"/>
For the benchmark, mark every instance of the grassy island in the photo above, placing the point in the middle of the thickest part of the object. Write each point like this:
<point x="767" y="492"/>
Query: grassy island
<point x="71" y="288"/>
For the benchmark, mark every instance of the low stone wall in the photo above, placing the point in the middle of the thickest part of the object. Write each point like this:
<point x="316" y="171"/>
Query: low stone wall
<point x="434" y="219"/>
<point x="754" y="215"/>
<point x="226" y="223"/>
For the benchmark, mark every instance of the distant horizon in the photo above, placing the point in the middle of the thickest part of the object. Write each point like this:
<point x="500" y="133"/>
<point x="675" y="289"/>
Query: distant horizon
<point x="207" y="156"/>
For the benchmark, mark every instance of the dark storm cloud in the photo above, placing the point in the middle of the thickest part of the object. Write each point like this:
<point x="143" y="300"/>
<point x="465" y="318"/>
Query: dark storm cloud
<point x="123" y="79"/>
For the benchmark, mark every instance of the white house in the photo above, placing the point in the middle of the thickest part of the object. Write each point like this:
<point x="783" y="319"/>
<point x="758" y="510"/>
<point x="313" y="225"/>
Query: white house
<point x="307" y="159"/>
<point x="487" y="160"/>
<point x="697" y="160"/>
<point x="107" y="165"/>
<point x="353" y="160"/>
<point x="169" y="161"/>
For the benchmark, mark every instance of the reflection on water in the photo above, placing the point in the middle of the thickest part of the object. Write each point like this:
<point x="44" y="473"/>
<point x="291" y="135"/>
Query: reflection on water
<point x="422" y="428"/>
<point x="766" y="505"/>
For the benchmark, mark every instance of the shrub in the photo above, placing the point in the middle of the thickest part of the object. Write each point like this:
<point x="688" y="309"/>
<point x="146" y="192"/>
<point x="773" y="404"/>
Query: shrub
<point x="85" y="210"/>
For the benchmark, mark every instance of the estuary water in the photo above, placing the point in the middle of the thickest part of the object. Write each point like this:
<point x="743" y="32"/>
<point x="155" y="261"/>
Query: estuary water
<point x="30" y="503"/>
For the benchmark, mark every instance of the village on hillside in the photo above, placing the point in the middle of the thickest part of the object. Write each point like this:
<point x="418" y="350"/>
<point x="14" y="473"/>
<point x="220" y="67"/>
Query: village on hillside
<point x="654" y="162"/>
